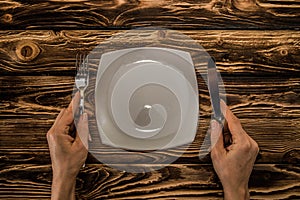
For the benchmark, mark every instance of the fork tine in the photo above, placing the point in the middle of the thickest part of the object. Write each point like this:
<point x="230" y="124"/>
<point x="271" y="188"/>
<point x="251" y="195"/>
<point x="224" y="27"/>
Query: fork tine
<point x="87" y="69"/>
<point x="82" y="64"/>
<point x="76" y="63"/>
<point x="87" y="65"/>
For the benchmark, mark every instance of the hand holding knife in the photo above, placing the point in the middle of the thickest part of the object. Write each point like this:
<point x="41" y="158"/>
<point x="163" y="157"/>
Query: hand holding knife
<point x="213" y="88"/>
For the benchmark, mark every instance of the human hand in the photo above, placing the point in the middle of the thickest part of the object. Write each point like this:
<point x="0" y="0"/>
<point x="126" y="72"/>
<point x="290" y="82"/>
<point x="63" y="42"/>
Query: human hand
<point x="68" y="154"/>
<point x="234" y="163"/>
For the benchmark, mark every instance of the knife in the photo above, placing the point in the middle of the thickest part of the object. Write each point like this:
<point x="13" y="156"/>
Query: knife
<point x="213" y="88"/>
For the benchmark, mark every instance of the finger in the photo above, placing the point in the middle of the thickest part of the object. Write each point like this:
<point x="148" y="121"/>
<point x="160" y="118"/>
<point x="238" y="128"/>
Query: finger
<point x="82" y="135"/>
<point x="72" y="127"/>
<point x="68" y="116"/>
<point x="216" y="138"/>
<point x="57" y="120"/>
<point x="234" y="125"/>
<point x="74" y="105"/>
<point x="226" y="134"/>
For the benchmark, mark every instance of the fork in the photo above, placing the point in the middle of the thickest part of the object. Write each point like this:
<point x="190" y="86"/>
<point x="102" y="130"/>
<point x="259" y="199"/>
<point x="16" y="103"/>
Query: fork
<point x="82" y="78"/>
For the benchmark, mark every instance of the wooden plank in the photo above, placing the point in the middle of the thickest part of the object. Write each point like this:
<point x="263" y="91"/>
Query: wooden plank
<point x="187" y="14"/>
<point x="267" y="107"/>
<point x="249" y="97"/>
<point x="238" y="53"/>
<point x="24" y="141"/>
<point x="172" y="182"/>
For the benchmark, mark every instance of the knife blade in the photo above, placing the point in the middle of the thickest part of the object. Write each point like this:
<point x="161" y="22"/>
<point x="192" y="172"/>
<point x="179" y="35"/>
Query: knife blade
<point x="213" y="87"/>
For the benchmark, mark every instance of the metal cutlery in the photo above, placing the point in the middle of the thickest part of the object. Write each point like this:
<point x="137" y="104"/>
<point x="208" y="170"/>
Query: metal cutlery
<point x="82" y="78"/>
<point x="213" y="88"/>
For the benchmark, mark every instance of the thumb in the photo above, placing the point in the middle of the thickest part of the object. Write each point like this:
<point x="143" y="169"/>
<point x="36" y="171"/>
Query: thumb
<point x="216" y="137"/>
<point x="83" y="130"/>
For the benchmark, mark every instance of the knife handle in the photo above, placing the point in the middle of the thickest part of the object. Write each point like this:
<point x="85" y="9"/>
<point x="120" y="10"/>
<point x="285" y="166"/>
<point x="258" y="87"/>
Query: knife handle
<point x="226" y="134"/>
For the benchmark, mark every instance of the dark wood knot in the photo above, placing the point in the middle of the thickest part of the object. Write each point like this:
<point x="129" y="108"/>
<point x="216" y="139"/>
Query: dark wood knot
<point x="27" y="51"/>
<point x="220" y="42"/>
<point x="245" y="5"/>
<point x="284" y="52"/>
<point x="218" y="4"/>
<point x="292" y="156"/>
<point x="7" y="18"/>
<point x="161" y="34"/>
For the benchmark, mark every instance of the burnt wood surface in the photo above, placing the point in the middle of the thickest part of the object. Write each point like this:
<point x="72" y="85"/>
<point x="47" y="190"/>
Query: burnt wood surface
<point x="250" y="53"/>
<point x="267" y="107"/>
<point x="256" y="44"/>
<point x="174" y="14"/>
<point x="184" y="181"/>
<point x="260" y="74"/>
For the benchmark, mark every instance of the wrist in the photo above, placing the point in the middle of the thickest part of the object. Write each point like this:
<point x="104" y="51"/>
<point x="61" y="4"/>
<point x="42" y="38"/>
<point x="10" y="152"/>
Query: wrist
<point x="63" y="187"/>
<point x="241" y="193"/>
<point x="63" y="175"/>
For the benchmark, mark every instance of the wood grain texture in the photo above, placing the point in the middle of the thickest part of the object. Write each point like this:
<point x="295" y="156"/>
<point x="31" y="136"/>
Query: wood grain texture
<point x="238" y="53"/>
<point x="172" y="182"/>
<point x="257" y="47"/>
<point x="249" y="97"/>
<point x="175" y="14"/>
<point x="24" y="141"/>
<point x="268" y="108"/>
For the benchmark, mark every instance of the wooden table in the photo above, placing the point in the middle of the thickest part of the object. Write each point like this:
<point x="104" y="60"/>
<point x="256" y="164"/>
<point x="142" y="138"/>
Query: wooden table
<point x="257" y="48"/>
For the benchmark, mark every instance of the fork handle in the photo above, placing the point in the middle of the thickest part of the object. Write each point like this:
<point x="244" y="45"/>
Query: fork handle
<point x="81" y="111"/>
<point x="81" y="103"/>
